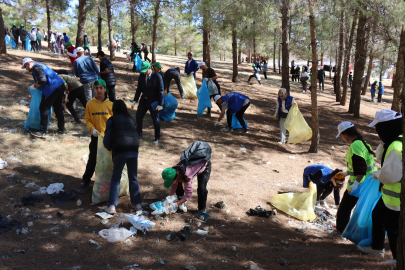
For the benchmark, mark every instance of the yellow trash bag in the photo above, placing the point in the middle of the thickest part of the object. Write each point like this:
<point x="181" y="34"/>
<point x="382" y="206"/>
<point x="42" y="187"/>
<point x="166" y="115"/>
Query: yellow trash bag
<point x="189" y="87"/>
<point x="104" y="170"/>
<point x="298" y="205"/>
<point x="297" y="127"/>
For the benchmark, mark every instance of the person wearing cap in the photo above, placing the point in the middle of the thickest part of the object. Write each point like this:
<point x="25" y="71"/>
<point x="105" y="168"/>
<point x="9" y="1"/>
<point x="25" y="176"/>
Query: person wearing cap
<point x="283" y="106"/>
<point x="107" y="74"/>
<point x="39" y="39"/>
<point x="15" y="33"/>
<point x="210" y="75"/>
<point x="157" y="67"/>
<point x="52" y="40"/>
<point x="191" y="65"/>
<point x="23" y="36"/>
<point x="255" y="74"/>
<point x="372" y="90"/>
<point x="326" y="180"/>
<point x="86" y="45"/>
<point x="135" y="50"/>
<point x="179" y="180"/>
<point x="385" y="216"/>
<point x="145" y="51"/>
<point x="86" y="69"/>
<point x="360" y="164"/>
<point x="71" y="52"/>
<point x="150" y="85"/>
<point x="33" y="39"/>
<point x="98" y="111"/>
<point x="122" y="139"/>
<point x="75" y="90"/>
<point x="52" y="88"/>
<point x="380" y="91"/>
<point x="321" y="78"/>
<point x="173" y="74"/>
<point x="232" y="103"/>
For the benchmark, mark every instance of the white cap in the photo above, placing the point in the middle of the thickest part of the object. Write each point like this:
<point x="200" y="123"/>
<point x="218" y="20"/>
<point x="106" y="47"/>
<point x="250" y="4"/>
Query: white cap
<point x="142" y="42"/>
<point x="343" y="126"/>
<point x="79" y="49"/>
<point x="190" y="53"/>
<point x="384" y="116"/>
<point x="201" y="64"/>
<point x="85" y="34"/>
<point x="25" y="61"/>
<point x="216" y="98"/>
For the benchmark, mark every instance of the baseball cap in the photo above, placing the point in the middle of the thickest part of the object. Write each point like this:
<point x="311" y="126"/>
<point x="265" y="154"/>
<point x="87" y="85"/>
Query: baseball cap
<point x="14" y="24"/>
<point x="145" y="66"/>
<point x="343" y="126"/>
<point x="22" y="25"/>
<point x="25" y="61"/>
<point x="85" y="34"/>
<point x="216" y="98"/>
<point x="201" y="64"/>
<point x="142" y="42"/>
<point x="253" y="65"/>
<point x="189" y="53"/>
<point x="79" y="49"/>
<point x="157" y="64"/>
<point x="384" y="116"/>
<point x="68" y="43"/>
<point x="168" y="176"/>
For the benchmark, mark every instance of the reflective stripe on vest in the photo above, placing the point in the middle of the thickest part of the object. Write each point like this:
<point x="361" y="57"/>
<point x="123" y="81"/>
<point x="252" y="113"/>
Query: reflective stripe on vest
<point x="369" y="169"/>
<point x="391" y="192"/>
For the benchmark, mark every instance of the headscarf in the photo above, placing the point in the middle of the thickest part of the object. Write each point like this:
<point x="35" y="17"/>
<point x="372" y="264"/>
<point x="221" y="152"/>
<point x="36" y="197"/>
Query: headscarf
<point x="388" y="131"/>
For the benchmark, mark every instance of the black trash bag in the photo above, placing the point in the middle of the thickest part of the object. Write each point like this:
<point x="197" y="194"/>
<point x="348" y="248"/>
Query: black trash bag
<point x="5" y="225"/>
<point x="176" y="235"/>
<point x="64" y="196"/>
<point x="29" y="200"/>
<point x="258" y="211"/>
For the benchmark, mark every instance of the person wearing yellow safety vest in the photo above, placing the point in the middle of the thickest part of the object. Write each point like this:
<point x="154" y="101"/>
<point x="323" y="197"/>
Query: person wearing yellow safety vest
<point x="360" y="164"/>
<point x="385" y="217"/>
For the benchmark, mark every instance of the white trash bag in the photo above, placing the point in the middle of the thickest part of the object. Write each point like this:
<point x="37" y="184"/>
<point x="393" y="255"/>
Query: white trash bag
<point x="54" y="188"/>
<point x="116" y="234"/>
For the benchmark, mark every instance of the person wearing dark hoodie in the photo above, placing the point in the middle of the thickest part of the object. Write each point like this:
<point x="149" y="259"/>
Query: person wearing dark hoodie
<point x="15" y="32"/>
<point x="173" y="74"/>
<point x="385" y="216"/>
<point x="23" y="35"/>
<point x="135" y="49"/>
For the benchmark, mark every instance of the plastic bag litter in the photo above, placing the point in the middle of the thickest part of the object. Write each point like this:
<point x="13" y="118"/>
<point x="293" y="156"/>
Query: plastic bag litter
<point x="29" y="200"/>
<point x="34" y="116"/>
<point x="138" y="62"/>
<point x="169" y="109"/>
<point x="54" y="188"/>
<point x="3" y="164"/>
<point x="64" y="197"/>
<point x="359" y="229"/>
<point x="158" y="208"/>
<point x="165" y="206"/>
<point x="138" y="221"/>
<point x="8" y="225"/>
<point x="115" y="234"/>
<point x="189" y="86"/>
<point x="212" y="88"/>
<point x="204" y="100"/>
<point x="235" y="122"/>
<point x="297" y="127"/>
<point x="104" y="170"/>
<point x="28" y="44"/>
<point x="298" y="205"/>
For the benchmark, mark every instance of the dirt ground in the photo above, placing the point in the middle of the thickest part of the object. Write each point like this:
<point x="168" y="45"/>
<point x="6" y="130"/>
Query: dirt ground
<point x="243" y="176"/>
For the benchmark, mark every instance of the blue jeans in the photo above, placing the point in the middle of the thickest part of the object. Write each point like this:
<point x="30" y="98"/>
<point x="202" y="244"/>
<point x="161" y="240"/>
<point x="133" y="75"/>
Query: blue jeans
<point x="372" y="96"/>
<point x="132" y="166"/>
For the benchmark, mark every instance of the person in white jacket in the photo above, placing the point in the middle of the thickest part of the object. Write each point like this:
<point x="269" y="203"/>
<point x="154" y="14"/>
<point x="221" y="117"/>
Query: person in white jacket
<point x="385" y="216"/>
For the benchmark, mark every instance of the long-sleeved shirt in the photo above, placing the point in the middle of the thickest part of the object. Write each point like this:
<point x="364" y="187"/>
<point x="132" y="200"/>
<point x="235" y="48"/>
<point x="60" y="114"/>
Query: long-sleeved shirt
<point x="97" y="114"/>
<point x="71" y="81"/>
<point x="39" y="74"/>
<point x="72" y="53"/>
<point x="283" y="109"/>
<point x="86" y="69"/>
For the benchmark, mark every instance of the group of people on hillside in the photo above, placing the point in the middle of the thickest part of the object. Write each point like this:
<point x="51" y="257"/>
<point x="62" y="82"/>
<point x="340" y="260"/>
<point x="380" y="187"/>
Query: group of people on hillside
<point x="21" y="34"/>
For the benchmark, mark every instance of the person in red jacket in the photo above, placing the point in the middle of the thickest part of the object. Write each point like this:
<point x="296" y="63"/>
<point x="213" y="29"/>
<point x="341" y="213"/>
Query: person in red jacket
<point x="71" y="52"/>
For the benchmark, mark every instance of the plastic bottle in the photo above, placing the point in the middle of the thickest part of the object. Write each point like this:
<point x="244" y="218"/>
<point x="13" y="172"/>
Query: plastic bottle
<point x="201" y="232"/>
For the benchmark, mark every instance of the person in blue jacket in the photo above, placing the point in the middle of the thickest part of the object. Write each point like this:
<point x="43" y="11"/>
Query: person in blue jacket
<point x="326" y="180"/>
<point x="150" y="85"/>
<point x="380" y="91"/>
<point x="372" y="90"/>
<point x="191" y="65"/>
<point x="283" y="106"/>
<point x="53" y="88"/>
<point x="232" y="102"/>
<point x="65" y="38"/>
<point x="255" y="74"/>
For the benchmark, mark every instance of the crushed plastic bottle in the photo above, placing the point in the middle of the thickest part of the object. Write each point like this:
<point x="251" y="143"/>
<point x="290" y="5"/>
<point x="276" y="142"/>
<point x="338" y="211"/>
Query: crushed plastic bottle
<point x="201" y="232"/>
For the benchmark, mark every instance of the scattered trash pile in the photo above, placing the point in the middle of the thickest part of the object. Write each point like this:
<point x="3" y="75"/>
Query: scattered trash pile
<point x="325" y="220"/>
<point x="260" y="212"/>
<point x="168" y="206"/>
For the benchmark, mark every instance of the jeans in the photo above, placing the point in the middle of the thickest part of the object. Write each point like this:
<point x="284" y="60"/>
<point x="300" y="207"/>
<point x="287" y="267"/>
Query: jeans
<point x="16" y="43"/>
<point x="323" y="191"/>
<point x="202" y="191"/>
<point x="265" y="75"/>
<point x="177" y="79"/>
<point x="89" y="91"/>
<point x="239" y="116"/>
<point x="91" y="163"/>
<point x="111" y="92"/>
<point x="293" y="77"/>
<point x="132" y="166"/>
<point x="212" y="97"/>
<point x="372" y="96"/>
<point x="39" y="46"/>
<point x="385" y="219"/>
<point x="145" y="56"/>
<point x="345" y="209"/>
<point x="23" y="47"/>
<point x="55" y="101"/>
<point x="143" y="107"/>
<point x="321" y="84"/>
<point x="253" y="76"/>
<point x="54" y="48"/>
<point x="88" y="49"/>
<point x="379" y="99"/>
<point x="33" y="45"/>
<point x="78" y="93"/>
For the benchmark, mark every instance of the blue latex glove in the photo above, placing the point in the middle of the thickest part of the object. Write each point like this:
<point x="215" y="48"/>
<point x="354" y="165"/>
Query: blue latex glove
<point x="354" y="186"/>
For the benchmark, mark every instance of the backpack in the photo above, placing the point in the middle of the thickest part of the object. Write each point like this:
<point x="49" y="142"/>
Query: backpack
<point x="196" y="152"/>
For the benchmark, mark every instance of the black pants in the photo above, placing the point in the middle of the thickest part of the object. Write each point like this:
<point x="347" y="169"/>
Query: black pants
<point x="145" y="56"/>
<point x="265" y="75"/>
<point x="297" y="78"/>
<point x="379" y="99"/>
<point x="143" y="107"/>
<point x="345" y="209"/>
<point x="293" y="77"/>
<point x="22" y="43"/>
<point x="253" y="76"/>
<point x="91" y="163"/>
<point x="39" y="45"/>
<point x="321" y="85"/>
<point x="78" y="93"/>
<point x="202" y="191"/>
<point x="239" y="116"/>
<point x="55" y="101"/>
<point x="33" y="45"/>
<point x="16" y="43"/>
<point x="304" y="83"/>
<point x="111" y="92"/>
<point x="176" y="76"/>
<point x="385" y="219"/>
<point x="212" y="97"/>
<point x="323" y="191"/>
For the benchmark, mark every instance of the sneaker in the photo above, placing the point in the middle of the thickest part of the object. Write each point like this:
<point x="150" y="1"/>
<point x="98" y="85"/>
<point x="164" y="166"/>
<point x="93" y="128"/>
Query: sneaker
<point x="155" y="142"/>
<point x="39" y="134"/>
<point x="77" y="121"/>
<point x="183" y="207"/>
<point x="245" y="130"/>
<point x="393" y="261"/>
<point x="84" y="188"/>
<point x="137" y="207"/>
<point x="303" y="91"/>
<point x="61" y="132"/>
<point x="324" y="204"/>
<point x="183" y="97"/>
<point x="226" y="129"/>
<point x="140" y="136"/>
<point x="111" y="209"/>
<point x="370" y="250"/>
<point x="335" y="233"/>
<point x="281" y="142"/>
<point x="201" y="214"/>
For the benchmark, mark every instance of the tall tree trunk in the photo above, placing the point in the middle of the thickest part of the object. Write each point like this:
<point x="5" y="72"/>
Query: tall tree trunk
<point x="110" y="30"/>
<point x="99" y="20"/>
<point x="3" y="49"/>
<point x="274" y="50"/>
<point x="254" y="41"/>
<point x="279" y="59"/>
<point x="347" y="53"/>
<point x="399" y="81"/>
<point x="208" y="60"/>
<point x="285" y="18"/>
<point x="359" y="63"/>
<point x="48" y="23"/>
<point x="382" y="66"/>
<point x="340" y="56"/>
<point x="314" y="105"/>
<point x="370" y="63"/>
<point x="240" y="52"/>
<point x="132" y="14"/>
<point x="234" y="56"/>
<point x="401" y="237"/>
<point x="155" y="20"/>
<point x="175" y="43"/>
<point x="81" y="23"/>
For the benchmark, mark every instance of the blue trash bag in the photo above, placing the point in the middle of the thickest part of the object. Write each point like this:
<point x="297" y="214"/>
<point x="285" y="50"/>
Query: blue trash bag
<point x="169" y="109"/>
<point x="204" y="100"/>
<point x="34" y="116"/>
<point x="158" y="208"/>
<point x="28" y="44"/>
<point x="13" y="43"/>
<point x="235" y="122"/>
<point x="359" y="229"/>
<point x="8" y="39"/>
<point x="138" y="63"/>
